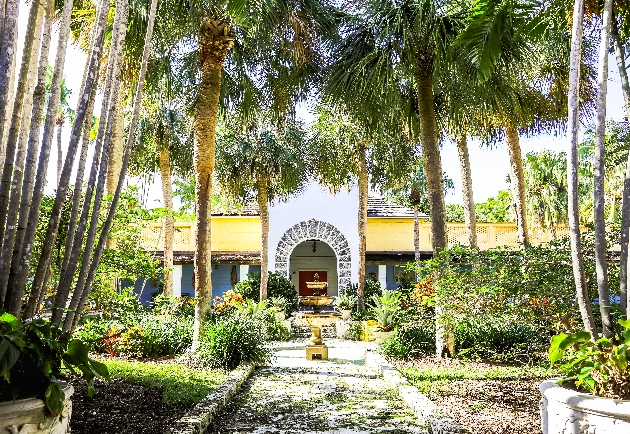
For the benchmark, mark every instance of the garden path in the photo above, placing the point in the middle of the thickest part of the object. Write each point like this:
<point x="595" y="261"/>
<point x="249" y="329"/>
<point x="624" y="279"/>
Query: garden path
<point x="338" y="396"/>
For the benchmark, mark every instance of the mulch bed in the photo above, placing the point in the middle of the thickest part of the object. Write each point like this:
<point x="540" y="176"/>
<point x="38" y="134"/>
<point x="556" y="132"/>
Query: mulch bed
<point x="122" y="408"/>
<point x="488" y="406"/>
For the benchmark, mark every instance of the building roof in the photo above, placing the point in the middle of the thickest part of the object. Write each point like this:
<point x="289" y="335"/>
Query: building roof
<point x="377" y="207"/>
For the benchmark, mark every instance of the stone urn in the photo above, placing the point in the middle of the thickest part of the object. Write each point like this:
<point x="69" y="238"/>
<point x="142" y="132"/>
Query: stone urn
<point x="30" y="416"/>
<point x="345" y="314"/>
<point x="564" y="410"/>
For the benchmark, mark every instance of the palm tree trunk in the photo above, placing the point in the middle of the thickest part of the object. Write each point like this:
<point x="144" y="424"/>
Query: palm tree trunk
<point x="39" y="280"/>
<point x="118" y="143"/>
<point x="59" y="152"/>
<point x="572" y="171"/>
<point x="416" y="233"/>
<point x="167" y="221"/>
<point x="620" y="55"/>
<point x="130" y="139"/>
<point x="213" y="47"/>
<point x="431" y="153"/>
<point x="103" y="144"/>
<point x="517" y="181"/>
<point x="89" y="88"/>
<point x="363" y="210"/>
<point x="467" y="191"/>
<point x="263" y="206"/>
<point x="7" y="120"/>
<point x="8" y="238"/>
<point x="432" y="165"/>
<point x="599" y="195"/>
<point x="7" y="57"/>
<point x="34" y="28"/>
<point x="14" y="248"/>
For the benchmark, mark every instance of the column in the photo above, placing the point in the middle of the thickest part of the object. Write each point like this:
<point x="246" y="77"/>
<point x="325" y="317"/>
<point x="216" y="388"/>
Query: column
<point x="177" y="280"/>
<point x="243" y="270"/>
<point x="382" y="275"/>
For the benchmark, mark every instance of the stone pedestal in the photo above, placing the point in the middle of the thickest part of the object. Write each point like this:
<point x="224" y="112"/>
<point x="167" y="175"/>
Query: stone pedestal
<point x="316" y="352"/>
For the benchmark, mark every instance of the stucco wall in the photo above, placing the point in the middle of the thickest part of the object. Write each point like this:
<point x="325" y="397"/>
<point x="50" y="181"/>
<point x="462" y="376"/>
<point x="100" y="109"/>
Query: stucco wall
<point x="339" y="210"/>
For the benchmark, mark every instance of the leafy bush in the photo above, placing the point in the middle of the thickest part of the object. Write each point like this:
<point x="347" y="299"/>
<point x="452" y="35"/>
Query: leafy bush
<point x="371" y="288"/>
<point x="277" y="286"/>
<point x="143" y="335"/>
<point x="232" y="340"/>
<point x="410" y="340"/>
<point x="499" y="339"/>
<point x="598" y="367"/>
<point x="385" y="307"/>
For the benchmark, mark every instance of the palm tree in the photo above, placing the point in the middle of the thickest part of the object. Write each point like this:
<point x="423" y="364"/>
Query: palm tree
<point x="266" y="160"/>
<point x="163" y="144"/>
<point x="546" y="188"/>
<point x="346" y="151"/>
<point x="572" y="171"/>
<point x="291" y="31"/>
<point x="389" y="43"/>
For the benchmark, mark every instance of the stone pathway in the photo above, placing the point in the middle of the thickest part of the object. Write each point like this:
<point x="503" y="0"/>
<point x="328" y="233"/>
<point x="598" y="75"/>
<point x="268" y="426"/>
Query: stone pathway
<point x="339" y="396"/>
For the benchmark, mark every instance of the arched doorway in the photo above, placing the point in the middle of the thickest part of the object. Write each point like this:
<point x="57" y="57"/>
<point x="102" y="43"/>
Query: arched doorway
<point x="313" y="257"/>
<point x="309" y="231"/>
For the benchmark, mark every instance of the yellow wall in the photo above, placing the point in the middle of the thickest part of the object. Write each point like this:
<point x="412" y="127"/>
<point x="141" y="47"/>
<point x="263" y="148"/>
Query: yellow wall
<point x="390" y="235"/>
<point x="240" y="234"/>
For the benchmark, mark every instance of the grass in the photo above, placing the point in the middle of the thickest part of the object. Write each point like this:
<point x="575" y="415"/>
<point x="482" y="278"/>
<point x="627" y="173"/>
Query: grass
<point x="179" y="384"/>
<point x="440" y="380"/>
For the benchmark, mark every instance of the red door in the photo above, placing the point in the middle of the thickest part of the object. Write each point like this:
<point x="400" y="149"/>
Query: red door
<point x="307" y="276"/>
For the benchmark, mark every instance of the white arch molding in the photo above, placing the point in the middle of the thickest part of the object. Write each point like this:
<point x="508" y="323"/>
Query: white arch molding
<point x="321" y="231"/>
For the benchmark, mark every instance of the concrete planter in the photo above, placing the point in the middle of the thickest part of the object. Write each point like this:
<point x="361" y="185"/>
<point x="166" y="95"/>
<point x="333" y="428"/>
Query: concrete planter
<point x="345" y="314"/>
<point x="383" y="336"/>
<point x="31" y="416"/>
<point x="565" y="411"/>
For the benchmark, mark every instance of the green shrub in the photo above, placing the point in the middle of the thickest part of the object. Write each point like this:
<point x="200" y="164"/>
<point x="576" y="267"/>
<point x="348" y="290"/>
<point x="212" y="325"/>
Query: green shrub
<point x="499" y="339"/>
<point x="277" y="286"/>
<point x="142" y="335"/>
<point x="372" y="288"/>
<point x="232" y="340"/>
<point x="410" y="340"/>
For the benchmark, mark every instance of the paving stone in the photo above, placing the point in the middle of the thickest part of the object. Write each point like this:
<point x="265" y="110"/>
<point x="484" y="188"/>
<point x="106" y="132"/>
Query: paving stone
<point x="338" y="396"/>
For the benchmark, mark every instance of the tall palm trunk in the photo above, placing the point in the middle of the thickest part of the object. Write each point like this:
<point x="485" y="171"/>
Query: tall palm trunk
<point x="572" y="170"/>
<point x="362" y="218"/>
<point x="600" y="152"/>
<point x="7" y="120"/>
<point x="263" y="206"/>
<point x="467" y="191"/>
<point x="34" y="28"/>
<point x="167" y="220"/>
<point x="103" y="144"/>
<point x="118" y="144"/>
<point x="215" y="39"/>
<point x="431" y="152"/>
<point x="416" y="233"/>
<point x="432" y="165"/>
<point x="517" y="181"/>
<point x="39" y="281"/>
<point x="132" y="127"/>
<point x="7" y="57"/>
<point x="59" y="149"/>
<point x="8" y="238"/>
<point x="620" y="55"/>
<point x="13" y="247"/>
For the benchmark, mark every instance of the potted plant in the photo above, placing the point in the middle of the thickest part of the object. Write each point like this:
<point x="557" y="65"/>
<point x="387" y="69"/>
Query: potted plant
<point x="344" y="304"/>
<point x="34" y="360"/>
<point x="385" y="308"/>
<point x="279" y="306"/>
<point x="594" y="394"/>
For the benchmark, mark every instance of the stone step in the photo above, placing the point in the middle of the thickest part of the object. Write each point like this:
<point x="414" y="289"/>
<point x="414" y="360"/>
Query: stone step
<point x="299" y="330"/>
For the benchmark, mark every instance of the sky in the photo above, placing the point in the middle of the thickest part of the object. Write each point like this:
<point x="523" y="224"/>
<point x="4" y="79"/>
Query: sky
<point x="489" y="166"/>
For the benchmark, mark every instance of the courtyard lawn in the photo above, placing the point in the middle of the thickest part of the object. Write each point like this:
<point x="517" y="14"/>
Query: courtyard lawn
<point x="486" y="398"/>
